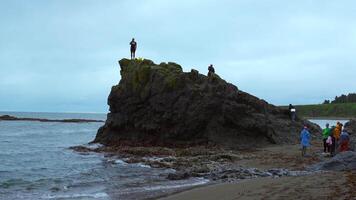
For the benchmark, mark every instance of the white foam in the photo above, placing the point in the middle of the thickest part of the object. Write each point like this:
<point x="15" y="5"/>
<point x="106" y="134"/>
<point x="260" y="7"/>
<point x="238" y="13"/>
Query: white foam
<point x="95" y="195"/>
<point x="93" y="146"/>
<point x="201" y="182"/>
<point x="142" y="165"/>
<point x="120" y="162"/>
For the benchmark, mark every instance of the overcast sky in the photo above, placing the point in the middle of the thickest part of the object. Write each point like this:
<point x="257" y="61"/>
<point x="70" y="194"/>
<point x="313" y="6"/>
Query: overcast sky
<point x="61" y="55"/>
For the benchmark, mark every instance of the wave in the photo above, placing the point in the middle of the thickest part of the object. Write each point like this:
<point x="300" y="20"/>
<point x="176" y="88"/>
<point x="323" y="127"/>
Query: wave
<point x="160" y="187"/>
<point x="141" y="165"/>
<point x="120" y="162"/>
<point x="80" y="195"/>
<point x="93" y="146"/>
<point x="123" y="163"/>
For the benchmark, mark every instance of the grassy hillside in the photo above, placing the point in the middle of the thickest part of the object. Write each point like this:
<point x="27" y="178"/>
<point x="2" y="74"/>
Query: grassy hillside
<point x="342" y="110"/>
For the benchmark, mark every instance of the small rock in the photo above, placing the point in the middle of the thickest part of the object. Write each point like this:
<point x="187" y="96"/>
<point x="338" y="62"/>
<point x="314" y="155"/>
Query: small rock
<point x="178" y="176"/>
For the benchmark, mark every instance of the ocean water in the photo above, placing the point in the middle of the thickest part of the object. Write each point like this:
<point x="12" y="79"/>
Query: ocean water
<point x="35" y="163"/>
<point x="332" y="122"/>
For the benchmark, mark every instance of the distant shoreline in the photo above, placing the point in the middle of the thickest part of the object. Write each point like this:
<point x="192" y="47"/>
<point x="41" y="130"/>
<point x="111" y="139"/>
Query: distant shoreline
<point x="326" y="111"/>
<point x="53" y="112"/>
<point x="12" y="118"/>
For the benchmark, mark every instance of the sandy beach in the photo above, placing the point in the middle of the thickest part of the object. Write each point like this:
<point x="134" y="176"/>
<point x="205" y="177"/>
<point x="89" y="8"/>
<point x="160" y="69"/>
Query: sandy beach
<point x="326" y="185"/>
<point x="333" y="185"/>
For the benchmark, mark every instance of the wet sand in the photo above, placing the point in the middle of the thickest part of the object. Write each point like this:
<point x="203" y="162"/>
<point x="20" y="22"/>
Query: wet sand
<point x="333" y="185"/>
<point x="326" y="185"/>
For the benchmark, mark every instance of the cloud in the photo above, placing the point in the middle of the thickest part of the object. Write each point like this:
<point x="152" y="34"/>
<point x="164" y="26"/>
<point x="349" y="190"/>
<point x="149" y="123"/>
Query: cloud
<point x="62" y="55"/>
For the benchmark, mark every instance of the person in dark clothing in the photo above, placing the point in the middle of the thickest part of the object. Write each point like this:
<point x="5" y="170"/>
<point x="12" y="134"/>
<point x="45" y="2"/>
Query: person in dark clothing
<point x="344" y="141"/>
<point x="133" y="48"/>
<point x="292" y="112"/>
<point x="211" y="70"/>
<point x="331" y="141"/>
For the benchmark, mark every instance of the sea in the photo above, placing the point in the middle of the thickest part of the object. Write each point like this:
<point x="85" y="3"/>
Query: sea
<point x="36" y="163"/>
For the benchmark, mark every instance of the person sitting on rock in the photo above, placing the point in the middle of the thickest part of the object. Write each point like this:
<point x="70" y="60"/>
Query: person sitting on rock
<point x="133" y="48"/>
<point x="344" y="141"/>
<point x="305" y="140"/>
<point x="211" y="70"/>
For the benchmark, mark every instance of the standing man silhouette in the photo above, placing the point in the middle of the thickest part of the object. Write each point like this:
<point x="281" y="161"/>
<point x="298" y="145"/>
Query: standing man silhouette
<point x="133" y="48"/>
<point x="211" y="70"/>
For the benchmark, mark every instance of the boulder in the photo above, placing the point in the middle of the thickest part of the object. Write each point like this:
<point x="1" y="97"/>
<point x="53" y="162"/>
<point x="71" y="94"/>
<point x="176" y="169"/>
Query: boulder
<point x="160" y="105"/>
<point x="341" y="162"/>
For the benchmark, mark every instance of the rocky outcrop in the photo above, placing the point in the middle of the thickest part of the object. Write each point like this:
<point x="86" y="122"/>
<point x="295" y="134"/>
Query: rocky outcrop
<point x="160" y="105"/>
<point x="350" y="127"/>
<point x="341" y="162"/>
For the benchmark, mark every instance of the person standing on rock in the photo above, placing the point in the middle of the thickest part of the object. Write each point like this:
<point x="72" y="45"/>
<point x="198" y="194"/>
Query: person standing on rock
<point x="326" y="134"/>
<point x="331" y="142"/>
<point x="211" y="70"/>
<point x="337" y="130"/>
<point x="337" y="133"/>
<point x="292" y="112"/>
<point x="133" y="45"/>
<point x="305" y="140"/>
<point x="344" y="141"/>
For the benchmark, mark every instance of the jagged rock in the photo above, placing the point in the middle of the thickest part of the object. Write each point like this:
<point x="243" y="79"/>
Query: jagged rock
<point x="340" y="162"/>
<point x="350" y="126"/>
<point x="178" y="176"/>
<point x="160" y="105"/>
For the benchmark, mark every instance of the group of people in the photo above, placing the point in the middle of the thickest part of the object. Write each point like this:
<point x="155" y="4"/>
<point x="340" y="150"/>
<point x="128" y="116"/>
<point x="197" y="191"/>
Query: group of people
<point x="133" y="47"/>
<point x="335" y="139"/>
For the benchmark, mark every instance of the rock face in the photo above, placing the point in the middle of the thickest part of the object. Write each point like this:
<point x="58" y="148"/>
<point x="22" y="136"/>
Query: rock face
<point x="350" y="127"/>
<point x="340" y="162"/>
<point x="160" y="105"/>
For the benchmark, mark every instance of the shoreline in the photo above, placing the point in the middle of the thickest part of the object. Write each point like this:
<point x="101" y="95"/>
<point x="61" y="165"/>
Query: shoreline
<point x="182" y="190"/>
<point x="266" y="165"/>
<point x="13" y="118"/>
<point x="329" y="118"/>
<point x="316" y="186"/>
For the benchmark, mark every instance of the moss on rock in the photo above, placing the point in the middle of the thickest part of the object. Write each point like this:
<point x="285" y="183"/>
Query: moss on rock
<point x="138" y="73"/>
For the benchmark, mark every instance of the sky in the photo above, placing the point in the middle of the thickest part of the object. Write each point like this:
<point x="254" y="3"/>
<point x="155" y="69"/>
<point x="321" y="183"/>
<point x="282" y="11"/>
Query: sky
<point x="61" y="55"/>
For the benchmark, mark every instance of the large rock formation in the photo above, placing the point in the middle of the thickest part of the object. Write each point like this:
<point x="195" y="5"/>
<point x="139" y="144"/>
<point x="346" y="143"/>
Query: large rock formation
<point x="162" y="105"/>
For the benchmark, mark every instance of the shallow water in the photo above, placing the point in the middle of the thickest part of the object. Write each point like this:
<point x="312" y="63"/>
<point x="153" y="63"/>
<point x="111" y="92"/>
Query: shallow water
<point x="35" y="163"/>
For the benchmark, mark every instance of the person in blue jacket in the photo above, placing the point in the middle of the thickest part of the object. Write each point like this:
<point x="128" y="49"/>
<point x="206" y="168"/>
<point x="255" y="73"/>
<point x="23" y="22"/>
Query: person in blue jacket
<point x="305" y="140"/>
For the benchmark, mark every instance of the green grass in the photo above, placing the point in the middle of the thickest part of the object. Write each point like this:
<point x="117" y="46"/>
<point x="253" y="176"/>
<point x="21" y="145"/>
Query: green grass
<point x="341" y="110"/>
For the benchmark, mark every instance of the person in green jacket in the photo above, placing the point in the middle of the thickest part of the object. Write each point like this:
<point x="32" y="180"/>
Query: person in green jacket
<point x="326" y="133"/>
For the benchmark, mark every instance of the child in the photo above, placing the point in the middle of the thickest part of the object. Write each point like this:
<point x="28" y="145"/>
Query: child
<point x="331" y="144"/>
